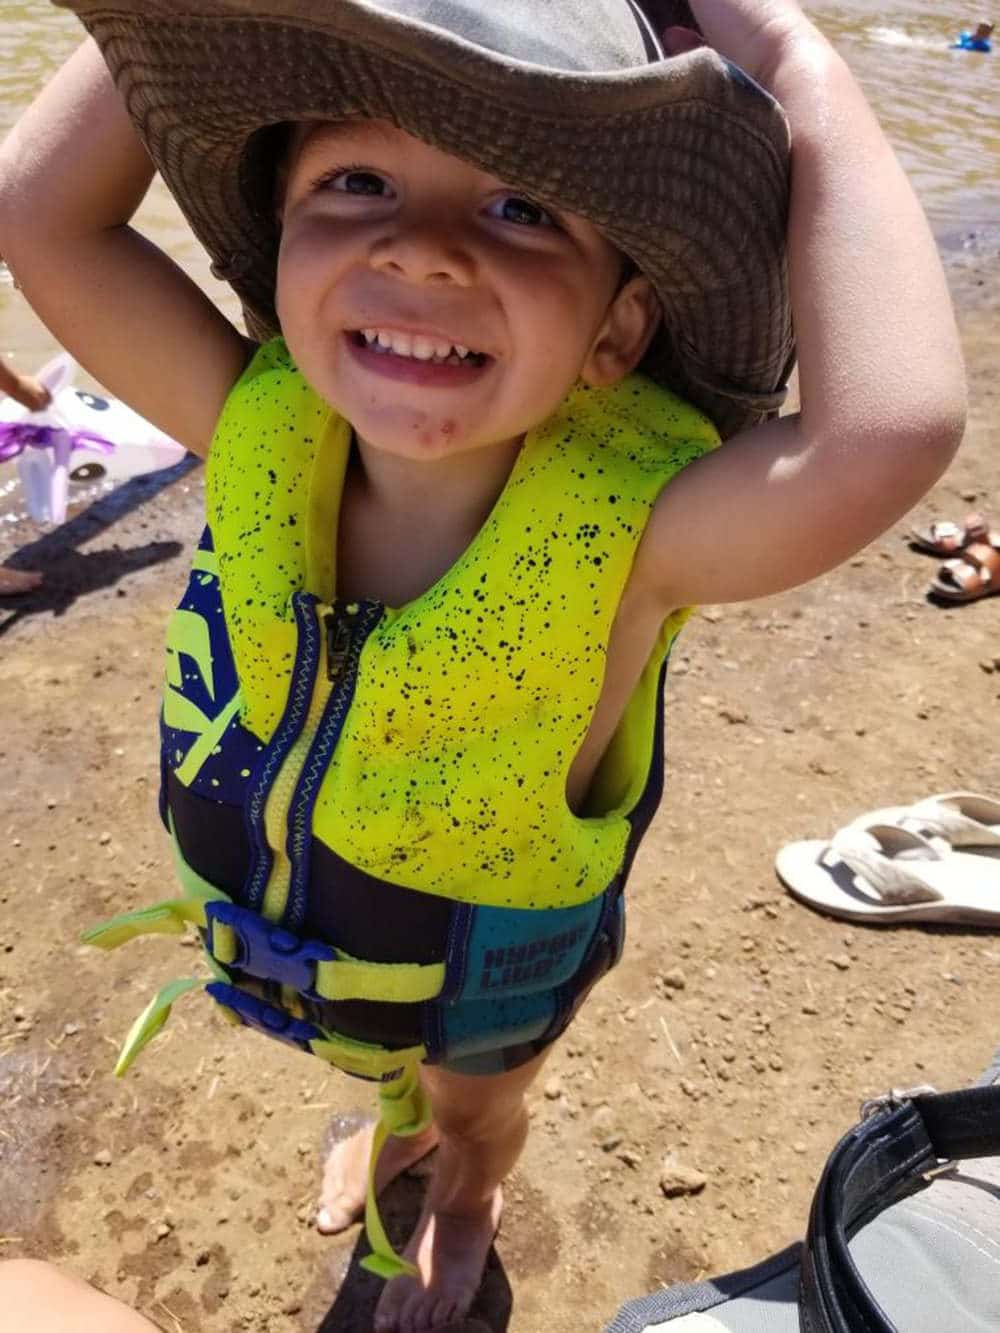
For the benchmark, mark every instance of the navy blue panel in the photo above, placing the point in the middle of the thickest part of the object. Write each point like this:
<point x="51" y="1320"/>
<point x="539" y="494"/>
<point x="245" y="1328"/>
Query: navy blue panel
<point x="227" y="772"/>
<point x="652" y="793"/>
<point x="202" y="597"/>
<point x="462" y="920"/>
<point x="212" y="837"/>
<point x="370" y="919"/>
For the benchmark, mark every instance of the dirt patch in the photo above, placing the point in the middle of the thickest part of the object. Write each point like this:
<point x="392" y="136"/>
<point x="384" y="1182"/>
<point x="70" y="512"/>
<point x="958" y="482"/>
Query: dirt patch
<point x="736" y="1038"/>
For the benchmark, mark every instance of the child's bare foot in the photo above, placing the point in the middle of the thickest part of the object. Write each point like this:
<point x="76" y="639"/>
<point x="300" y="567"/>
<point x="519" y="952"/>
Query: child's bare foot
<point x="449" y="1249"/>
<point x="345" y="1175"/>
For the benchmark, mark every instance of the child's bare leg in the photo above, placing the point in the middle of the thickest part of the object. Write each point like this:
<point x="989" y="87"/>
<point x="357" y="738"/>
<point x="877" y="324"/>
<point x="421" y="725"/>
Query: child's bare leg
<point x="37" y="1298"/>
<point x="482" y="1125"/>
<point x="345" y="1174"/>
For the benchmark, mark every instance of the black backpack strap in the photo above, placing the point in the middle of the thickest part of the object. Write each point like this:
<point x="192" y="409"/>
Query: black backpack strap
<point x="685" y="1298"/>
<point x="902" y="1140"/>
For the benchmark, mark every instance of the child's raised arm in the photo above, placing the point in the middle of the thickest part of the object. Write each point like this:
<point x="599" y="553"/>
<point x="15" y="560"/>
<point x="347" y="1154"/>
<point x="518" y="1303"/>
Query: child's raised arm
<point x="72" y="173"/>
<point x="880" y="370"/>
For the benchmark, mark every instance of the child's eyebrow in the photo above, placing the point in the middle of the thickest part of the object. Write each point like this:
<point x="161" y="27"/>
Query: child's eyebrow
<point x="307" y="135"/>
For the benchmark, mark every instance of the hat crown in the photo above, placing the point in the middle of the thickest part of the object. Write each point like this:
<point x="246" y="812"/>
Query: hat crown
<point x="592" y="36"/>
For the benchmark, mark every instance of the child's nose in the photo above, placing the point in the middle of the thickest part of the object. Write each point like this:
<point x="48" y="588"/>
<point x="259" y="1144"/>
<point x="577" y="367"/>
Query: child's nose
<point x="422" y="252"/>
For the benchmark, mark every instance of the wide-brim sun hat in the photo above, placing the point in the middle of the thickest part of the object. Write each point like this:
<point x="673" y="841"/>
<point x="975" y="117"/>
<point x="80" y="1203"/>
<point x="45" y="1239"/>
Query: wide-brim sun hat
<point x="683" y="162"/>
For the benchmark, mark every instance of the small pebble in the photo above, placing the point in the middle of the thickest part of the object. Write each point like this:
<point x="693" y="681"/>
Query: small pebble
<point x="102" y="1158"/>
<point x="679" y="1180"/>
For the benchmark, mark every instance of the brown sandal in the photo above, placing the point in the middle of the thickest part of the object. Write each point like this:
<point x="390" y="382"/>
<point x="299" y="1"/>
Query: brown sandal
<point x="946" y="538"/>
<point x="973" y="574"/>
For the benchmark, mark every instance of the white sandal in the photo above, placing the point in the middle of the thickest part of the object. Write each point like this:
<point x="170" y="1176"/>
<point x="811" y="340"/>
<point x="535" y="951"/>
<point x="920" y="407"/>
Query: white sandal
<point x="883" y="872"/>
<point x="959" y="818"/>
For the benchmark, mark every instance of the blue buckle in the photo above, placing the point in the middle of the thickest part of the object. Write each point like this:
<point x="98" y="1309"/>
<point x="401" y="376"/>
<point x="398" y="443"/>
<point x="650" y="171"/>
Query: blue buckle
<point x="266" y="1018"/>
<point x="267" y="951"/>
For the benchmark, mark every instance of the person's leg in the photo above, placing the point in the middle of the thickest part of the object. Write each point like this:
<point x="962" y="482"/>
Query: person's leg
<point x="15" y="582"/>
<point x="345" y="1174"/>
<point x="482" y="1125"/>
<point x="37" y="1298"/>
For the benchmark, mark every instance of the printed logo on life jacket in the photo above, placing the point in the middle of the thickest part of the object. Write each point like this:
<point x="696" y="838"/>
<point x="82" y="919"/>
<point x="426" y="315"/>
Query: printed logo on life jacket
<point x="535" y="961"/>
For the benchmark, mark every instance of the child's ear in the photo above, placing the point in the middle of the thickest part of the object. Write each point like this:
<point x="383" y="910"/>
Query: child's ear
<point x="624" y="335"/>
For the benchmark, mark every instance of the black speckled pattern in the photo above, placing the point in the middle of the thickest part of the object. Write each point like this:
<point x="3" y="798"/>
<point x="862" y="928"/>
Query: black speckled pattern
<point x="472" y="701"/>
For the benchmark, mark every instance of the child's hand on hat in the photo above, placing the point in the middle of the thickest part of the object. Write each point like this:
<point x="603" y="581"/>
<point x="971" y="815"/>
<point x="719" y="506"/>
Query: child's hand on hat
<point x="754" y="34"/>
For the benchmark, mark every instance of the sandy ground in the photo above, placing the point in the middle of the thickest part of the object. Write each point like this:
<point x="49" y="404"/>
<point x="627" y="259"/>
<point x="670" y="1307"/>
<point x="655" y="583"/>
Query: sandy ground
<point x="736" y="1038"/>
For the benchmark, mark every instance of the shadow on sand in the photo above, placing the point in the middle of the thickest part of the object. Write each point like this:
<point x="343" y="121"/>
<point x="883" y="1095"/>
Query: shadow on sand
<point x="70" y="573"/>
<point x="353" y="1310"/>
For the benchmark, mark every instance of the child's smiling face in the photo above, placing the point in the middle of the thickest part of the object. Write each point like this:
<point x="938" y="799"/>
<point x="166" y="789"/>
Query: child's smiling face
<point x="437" y="309"/>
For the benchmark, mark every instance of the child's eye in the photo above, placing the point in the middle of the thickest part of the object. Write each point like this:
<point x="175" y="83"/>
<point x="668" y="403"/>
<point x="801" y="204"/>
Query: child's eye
<point x="358" y="182"/>
<point x="523" y="212"/>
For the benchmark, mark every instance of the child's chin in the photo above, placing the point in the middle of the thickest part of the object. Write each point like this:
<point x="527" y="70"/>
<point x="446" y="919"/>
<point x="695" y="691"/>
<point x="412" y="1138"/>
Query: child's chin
<point x="422" y="437"/>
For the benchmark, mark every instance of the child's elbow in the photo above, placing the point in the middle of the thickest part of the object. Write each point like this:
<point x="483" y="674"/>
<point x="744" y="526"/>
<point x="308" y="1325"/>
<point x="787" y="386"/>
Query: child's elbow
<point x="934" y="433"/>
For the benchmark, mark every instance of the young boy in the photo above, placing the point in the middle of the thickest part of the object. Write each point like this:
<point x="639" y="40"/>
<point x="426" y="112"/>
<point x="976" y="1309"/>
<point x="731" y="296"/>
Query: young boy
<point x="413" y="692"/>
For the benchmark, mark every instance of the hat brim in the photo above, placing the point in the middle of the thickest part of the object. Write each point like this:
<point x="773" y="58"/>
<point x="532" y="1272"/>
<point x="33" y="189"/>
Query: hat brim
<point x="683" y="164"/>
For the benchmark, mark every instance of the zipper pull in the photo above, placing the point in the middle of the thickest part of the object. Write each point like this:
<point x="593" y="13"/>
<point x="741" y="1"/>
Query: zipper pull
<point x="339" y="622"/>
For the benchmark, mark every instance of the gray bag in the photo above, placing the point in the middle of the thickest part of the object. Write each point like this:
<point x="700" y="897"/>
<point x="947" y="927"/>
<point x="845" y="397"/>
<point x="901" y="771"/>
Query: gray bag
<point x="927" y="1263"/>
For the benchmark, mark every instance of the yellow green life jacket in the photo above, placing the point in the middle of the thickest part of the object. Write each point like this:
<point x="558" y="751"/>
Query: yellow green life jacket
<point x="368" y="803"/>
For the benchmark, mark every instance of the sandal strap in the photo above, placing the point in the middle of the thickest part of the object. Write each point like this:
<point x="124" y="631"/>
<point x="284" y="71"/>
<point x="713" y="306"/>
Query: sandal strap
<point x="983" y="557"/>
<point x="965" y="574"/>
<point x="861" y="850"/>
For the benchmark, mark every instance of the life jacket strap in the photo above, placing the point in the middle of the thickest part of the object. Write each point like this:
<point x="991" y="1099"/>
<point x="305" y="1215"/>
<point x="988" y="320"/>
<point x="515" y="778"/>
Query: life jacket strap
<point x="349" y="978"/>
<point x="152" y="1019"/>
<point x="404" y="1111"/>
<point x="240" y="938"/>
<point x="166" y="918"/>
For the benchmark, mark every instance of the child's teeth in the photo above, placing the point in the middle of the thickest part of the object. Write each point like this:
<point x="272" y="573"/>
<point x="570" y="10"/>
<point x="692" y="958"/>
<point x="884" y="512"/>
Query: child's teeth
<point x="418" y="346"/>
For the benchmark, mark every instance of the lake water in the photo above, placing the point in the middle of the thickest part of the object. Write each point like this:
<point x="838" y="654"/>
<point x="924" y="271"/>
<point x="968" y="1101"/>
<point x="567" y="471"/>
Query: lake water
<point x="939" y="108"/>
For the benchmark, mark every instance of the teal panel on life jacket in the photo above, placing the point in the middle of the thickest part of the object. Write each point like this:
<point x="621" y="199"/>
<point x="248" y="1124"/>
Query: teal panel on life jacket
<point x="511" y="951"/>
<point x="479" y="1026"/>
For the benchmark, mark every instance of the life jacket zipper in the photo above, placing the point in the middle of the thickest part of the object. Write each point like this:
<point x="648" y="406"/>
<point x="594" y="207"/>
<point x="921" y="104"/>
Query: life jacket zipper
<point x="339" y="622"/>
<point x="348" y="626"/>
